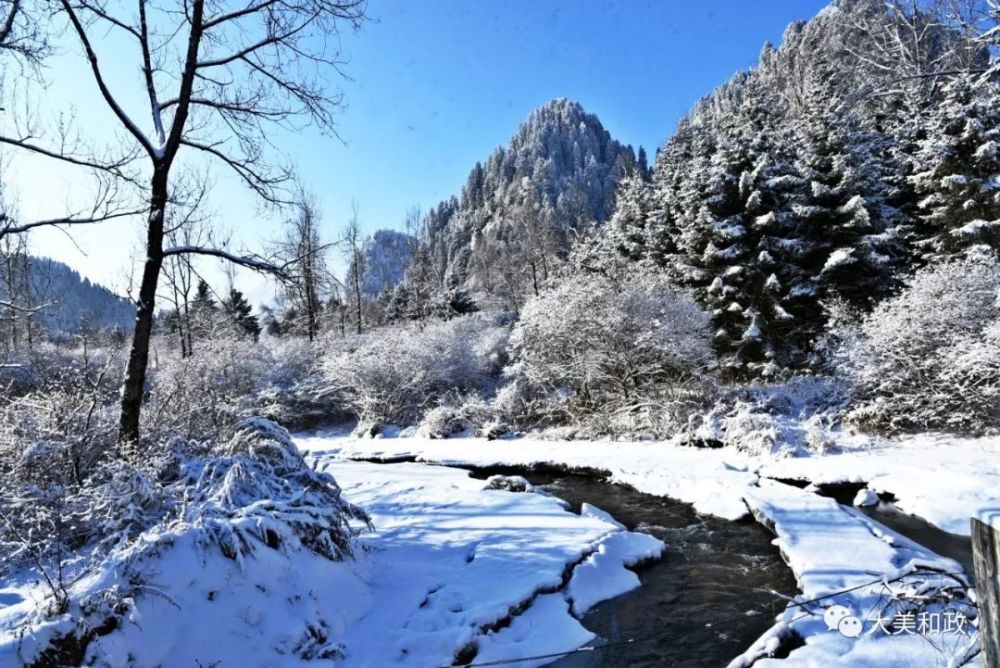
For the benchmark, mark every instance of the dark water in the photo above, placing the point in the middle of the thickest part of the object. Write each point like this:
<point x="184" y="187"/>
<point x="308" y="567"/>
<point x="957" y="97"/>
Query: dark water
<point x="704" y="603"/>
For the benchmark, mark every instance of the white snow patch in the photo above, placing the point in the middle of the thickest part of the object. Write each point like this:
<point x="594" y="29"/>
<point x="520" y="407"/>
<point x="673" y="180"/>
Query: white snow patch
<point x="865" y="497"/>
<point x="712" y="480"/>
<point x="603" y="574"/>
<point x="838" y="553"/>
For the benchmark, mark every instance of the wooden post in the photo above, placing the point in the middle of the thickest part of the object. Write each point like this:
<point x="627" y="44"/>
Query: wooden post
<point x="986" y="560"/>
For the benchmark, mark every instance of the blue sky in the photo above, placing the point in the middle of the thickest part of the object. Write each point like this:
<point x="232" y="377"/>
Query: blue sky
<point x="435" y="86"/>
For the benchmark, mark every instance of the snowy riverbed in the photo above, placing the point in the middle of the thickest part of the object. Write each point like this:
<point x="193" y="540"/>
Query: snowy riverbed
<point x="450" y="569"/>
<point x="829" y="547"/>
<point x="941" y="479"/>
<point x="455" y="570"/>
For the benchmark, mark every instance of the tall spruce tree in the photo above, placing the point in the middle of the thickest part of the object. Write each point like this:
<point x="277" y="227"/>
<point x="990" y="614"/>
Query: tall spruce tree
<point x="239" y="309"/>
<point x="843" y="206"/>
<point x="958" y="178"/>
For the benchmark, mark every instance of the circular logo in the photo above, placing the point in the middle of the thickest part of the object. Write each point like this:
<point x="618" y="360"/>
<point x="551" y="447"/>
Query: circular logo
<point x="833" y="615"/>
<point x="850" y="626"/>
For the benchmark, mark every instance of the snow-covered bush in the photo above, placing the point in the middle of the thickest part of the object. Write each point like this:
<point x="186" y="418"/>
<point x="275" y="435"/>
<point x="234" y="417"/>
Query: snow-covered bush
<point x="631" y="355"/>
<point x="928" y="358"/>
<point x="256" y="489"/>
<point x="756" y="431"/>
<point x="293" y="392"/>
<point x="394" y="375"/>
<point x="459" y="416"/>
<point x="61" y="425"/>
<point x="250" y="491"/>
<point x="205" y="395"/>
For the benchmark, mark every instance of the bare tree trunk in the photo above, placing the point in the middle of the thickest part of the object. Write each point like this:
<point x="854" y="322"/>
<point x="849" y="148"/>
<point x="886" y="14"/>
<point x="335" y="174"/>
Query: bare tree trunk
<point x="138" y="359"/>
<point x="357" y="289"/>
<point x="309" y="282"/>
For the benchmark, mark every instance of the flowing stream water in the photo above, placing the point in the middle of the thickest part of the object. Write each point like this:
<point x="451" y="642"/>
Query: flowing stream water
<point x="703" y="603"/>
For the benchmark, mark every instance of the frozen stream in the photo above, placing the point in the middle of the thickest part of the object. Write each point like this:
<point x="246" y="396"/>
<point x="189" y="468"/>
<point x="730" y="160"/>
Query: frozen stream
<point x="705" y="602"/>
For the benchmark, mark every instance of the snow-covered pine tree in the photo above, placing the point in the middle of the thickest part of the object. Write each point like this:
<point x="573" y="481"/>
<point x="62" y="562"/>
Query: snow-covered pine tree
<point x="734" y="242"/>
<point x="958" y="174"/>
<point x="627" y="229"/>
<point x="239" y="309"/>
<point x="854" y="234"/>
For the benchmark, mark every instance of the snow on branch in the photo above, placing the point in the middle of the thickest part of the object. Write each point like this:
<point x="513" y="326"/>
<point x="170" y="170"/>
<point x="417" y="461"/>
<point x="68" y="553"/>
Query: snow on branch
<point x="256" y="264"/>
<point x="20" y="309"/>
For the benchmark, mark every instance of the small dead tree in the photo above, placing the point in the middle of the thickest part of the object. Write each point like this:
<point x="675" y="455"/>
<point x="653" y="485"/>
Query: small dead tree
<point x="354" y="254"/>
<point x="216" y="77"/>
<point x="302" y="251"/>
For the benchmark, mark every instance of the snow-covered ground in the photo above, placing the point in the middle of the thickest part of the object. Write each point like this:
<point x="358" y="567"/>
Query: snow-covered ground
<point x="943" y="480"/>
<point x="450" y="567"/>
<point x="830" y="548"/>
<point x="842" y="558"/>
<point x="455" y="569"/>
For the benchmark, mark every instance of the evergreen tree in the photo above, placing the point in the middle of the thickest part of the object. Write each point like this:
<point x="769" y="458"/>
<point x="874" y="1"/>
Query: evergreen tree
<point x="203" y="299"/>
<point x="239" y="309"/>
<point x="854" y="234"/>
<point x="958" y="179"/>
<point x="739" y="246"/>
<point x="627" y="229"/>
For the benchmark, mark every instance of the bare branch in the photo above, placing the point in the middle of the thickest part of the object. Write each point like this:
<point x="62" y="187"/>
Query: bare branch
<point x="257" y="264"/>
<point x="99" y="78"/>
<point x="147" y="71"/>
<point x="265" y="186"/>
<point x="66" y="222"/>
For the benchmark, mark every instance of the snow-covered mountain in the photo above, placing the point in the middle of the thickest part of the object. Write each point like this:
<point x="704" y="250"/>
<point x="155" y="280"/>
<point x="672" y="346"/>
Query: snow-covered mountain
<point x="557" y="174"/>
<point x="73" y="301"/>
<point x="387" y="253"/>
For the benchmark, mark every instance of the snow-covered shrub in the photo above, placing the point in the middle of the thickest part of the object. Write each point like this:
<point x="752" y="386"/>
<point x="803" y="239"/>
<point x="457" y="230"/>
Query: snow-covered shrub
<point x="293" y="392"/>
<point x="445" y="422"/>
<point x="631" y="355"/>
<point x="205" y="395"/>
<point x="65" y="422"/>
<point x="927" y="359"/>
<point x="802" y="396"/>
<point x="258" y="490"/>
<point x="459" y="416"/>
<point x="393" y="375"/>
<point x="752" y="430"/>
<point x="819" y="434"/>
<point x="253" y="490"/>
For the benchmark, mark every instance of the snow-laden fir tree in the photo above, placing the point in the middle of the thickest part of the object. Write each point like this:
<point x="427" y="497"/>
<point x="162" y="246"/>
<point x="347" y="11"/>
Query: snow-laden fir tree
<point x="241" y="312"/>
<point x="958" y="173"/>
<point x="855" y="235"/>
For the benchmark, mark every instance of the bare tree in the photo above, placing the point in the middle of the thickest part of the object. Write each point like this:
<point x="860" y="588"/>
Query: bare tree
<point x="909" y="48"/>
<point x="355" y="256"/>
<point x="216" y="77"/>
<point x="303" y="252"/>
<point x="178" y="271"/>
<point x="20" y="34"/>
